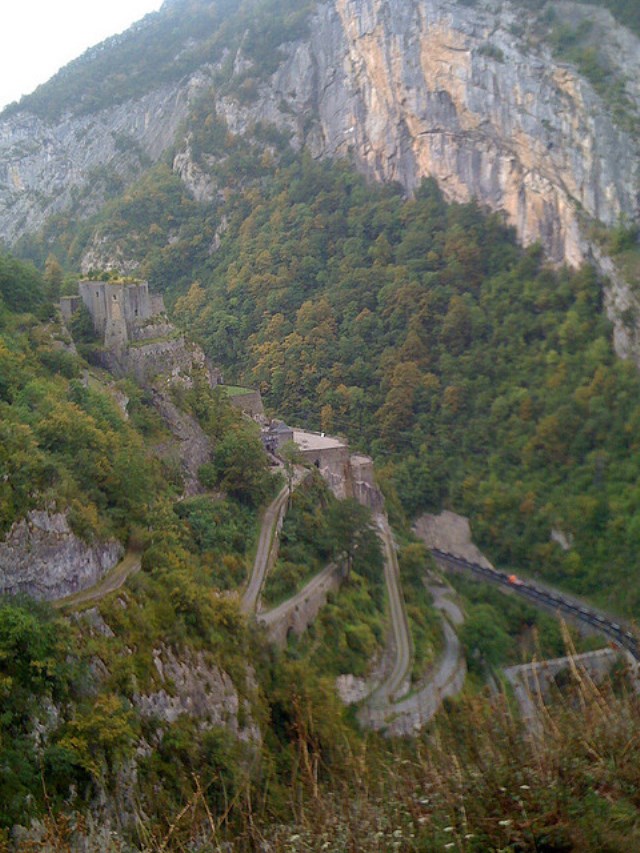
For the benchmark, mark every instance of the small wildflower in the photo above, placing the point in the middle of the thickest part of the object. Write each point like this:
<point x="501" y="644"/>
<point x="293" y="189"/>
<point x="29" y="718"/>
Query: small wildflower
<point x="505" y="822"/>
<point x="525" y="787"/>
<point x="468" y="836"/>
<point x="448" y="829"/>
<point x="449" y="845"/>
<point x="423" y="819"/>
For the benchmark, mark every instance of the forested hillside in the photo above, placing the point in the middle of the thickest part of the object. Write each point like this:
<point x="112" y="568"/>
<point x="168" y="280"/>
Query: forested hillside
<point x="164" y="683"/>
<point x="201" y="151"/>
<point x="483" y="379"/>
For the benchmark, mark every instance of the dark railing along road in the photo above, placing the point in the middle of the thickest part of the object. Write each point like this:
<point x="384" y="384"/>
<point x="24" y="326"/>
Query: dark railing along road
<point x="621" y="634"/>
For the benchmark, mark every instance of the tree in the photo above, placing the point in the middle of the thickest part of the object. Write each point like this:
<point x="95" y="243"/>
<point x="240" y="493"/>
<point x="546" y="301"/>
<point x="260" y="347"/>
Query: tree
<point x="53" y="277"/>
<point x="485" y="639"/>
<point x="351" y="525"/>
<point x="242" y="467"/>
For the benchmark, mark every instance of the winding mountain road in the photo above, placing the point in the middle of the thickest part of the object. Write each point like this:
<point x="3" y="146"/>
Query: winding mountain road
<point x="546" y="597"/>
<point x="392" y="686"/>
<point x="446" y="678"/>
<point x="267" y="550"/>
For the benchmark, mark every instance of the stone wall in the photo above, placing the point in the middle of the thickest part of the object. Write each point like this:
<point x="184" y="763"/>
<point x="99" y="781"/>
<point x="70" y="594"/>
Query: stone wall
<point x="250" y="403"/>
<point x="68" y="306"/>
<point x="533" y="682"/>
<point x="362" y="481"/>
<point x="330" y="456"/>
<point x="119" y="311"/>
<point x="173" y="357"/>
<point x="295" y="615"/>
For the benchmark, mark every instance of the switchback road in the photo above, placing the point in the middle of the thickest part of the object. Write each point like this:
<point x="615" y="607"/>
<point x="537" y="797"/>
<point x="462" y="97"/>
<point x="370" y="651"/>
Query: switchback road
<point x="389" y="689"/>
<point x="408" y="715"/>
<point x="268" y="543"/>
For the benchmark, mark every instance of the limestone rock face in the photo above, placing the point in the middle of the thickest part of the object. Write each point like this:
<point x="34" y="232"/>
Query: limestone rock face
<point x="416" y="88"/>
<point x="46" y="168"/>
<point x="196" y="688"/>
<point x="470" y="95"/>
<point x="43" y="558"/>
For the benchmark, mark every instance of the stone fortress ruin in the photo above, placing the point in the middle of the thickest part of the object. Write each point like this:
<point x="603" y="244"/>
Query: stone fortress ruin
<point x="137" y="338"/>
<point x="119" y="310"/>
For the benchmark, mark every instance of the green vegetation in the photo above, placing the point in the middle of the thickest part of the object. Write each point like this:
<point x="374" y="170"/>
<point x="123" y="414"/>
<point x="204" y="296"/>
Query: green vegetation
<point x="63" y="444"/>
<point x="626" y="12"/>
<point x="425" y="623"/>
<point x="306" y="541"/>
<point x="223" y="533"/>
<point x="318" y="529"/>
<point x="482" y="379"/>
<point x="479" y="379"/>
<point x="503" y="630"/>
<point x="350" y="629"/>
<point x="582" y="50"/>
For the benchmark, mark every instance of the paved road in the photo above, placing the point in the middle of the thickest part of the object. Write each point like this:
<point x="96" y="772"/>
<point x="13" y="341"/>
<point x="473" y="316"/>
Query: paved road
<point x="268" y="543"/>
<point x="112" y="581"/>
<point x="547" y="597"/>
<point x="413" y="712"/>
<point x="323" y="580"/>
<point x="389" y="689"/>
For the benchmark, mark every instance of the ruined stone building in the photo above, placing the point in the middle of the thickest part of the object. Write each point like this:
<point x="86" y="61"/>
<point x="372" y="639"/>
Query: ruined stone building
<point x="138" y="338"/>
<point x="118" y="309"/>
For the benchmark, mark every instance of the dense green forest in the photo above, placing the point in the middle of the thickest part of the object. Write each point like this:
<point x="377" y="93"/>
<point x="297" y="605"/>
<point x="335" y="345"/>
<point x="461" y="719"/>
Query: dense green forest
<point x="479" y="378"/>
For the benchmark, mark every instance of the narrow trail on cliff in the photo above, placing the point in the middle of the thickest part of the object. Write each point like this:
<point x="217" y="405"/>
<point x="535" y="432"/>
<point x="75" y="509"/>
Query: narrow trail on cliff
<point x="113" y="580"/>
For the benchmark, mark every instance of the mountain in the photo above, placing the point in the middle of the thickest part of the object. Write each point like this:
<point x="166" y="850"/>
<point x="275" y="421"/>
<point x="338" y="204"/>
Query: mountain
<point x="333" y="200"/>
<point x="531" y="109"/>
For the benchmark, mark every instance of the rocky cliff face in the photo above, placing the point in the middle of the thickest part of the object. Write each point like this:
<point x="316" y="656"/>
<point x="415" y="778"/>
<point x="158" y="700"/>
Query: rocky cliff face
<point x="430" y="87"/>
<point x="75" y="163"/>
<point x="43" y="558"/>
<point x="408" y="88"/>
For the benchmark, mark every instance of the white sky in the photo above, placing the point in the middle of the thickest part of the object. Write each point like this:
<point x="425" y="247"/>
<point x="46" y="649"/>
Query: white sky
<point x="37" y="37"/>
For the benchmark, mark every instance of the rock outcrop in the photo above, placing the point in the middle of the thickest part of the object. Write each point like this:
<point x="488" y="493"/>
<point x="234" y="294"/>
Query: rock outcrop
<point x="409" y="88"/>
<point x="435" y="88"/>
<point x="42" y="557"/>
<point x="468" y="94"/>
<point x="192" y="686"/>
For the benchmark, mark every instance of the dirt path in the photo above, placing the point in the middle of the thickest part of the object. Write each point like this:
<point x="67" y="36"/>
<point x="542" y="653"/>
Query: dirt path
<point x="113" y="580"/>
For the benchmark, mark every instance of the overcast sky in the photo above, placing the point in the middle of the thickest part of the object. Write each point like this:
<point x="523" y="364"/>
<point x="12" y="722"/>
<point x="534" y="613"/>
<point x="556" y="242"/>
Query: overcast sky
<point x="38" y="37"/>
